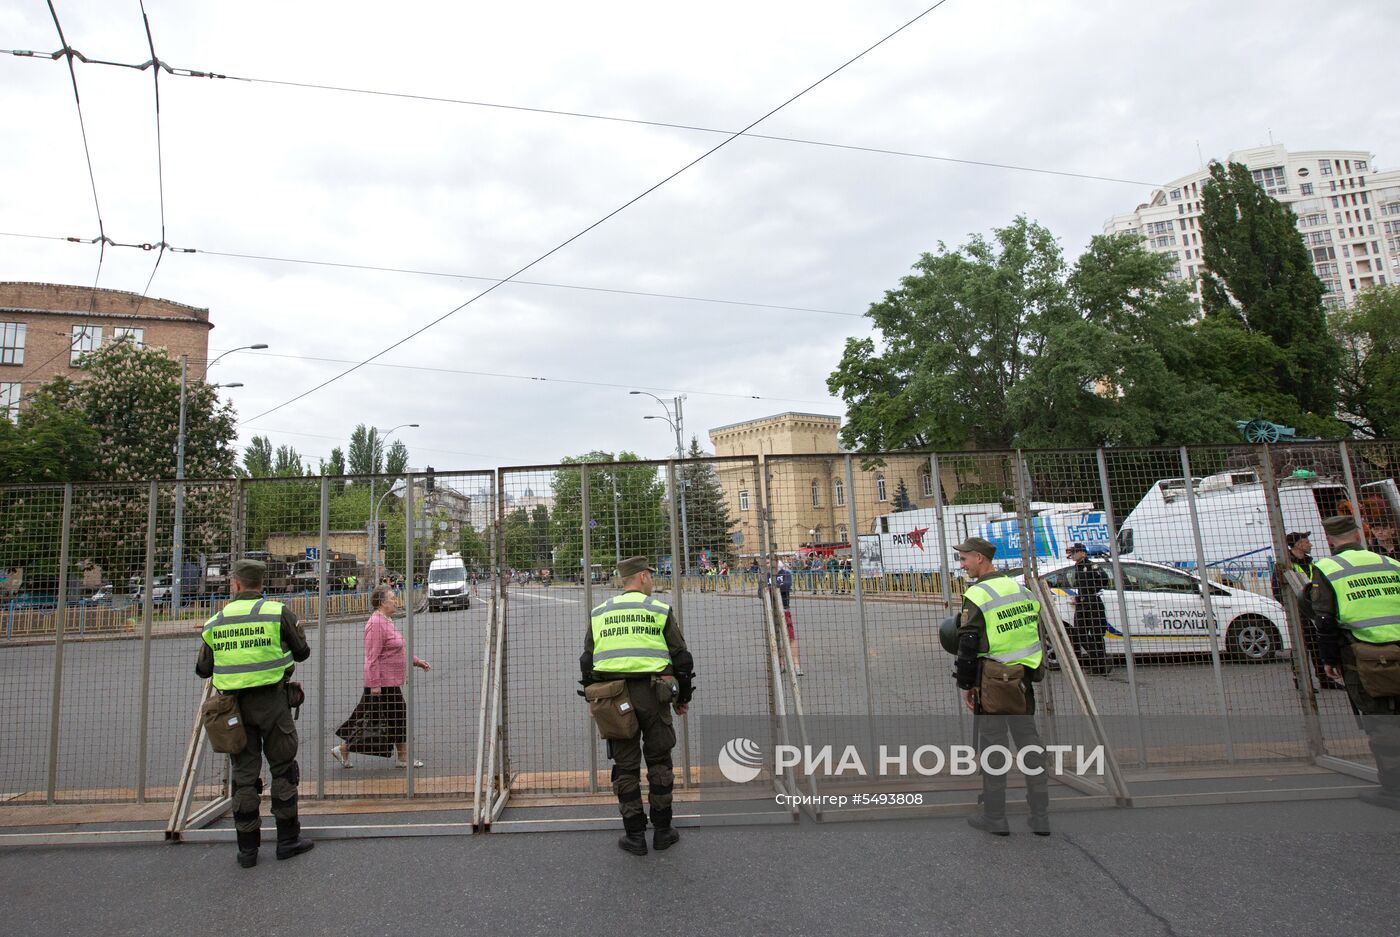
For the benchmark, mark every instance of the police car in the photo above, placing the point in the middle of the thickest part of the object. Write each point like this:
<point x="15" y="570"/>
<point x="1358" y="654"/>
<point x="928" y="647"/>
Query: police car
<point x="1166" y="614"/>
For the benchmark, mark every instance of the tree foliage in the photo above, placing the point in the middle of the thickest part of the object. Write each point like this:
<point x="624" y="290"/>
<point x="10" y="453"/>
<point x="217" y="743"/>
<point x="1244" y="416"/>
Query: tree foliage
<point x="642" y="526"/>
<point x="366" y="455"/>
<point x="1259" y="281"/>
<point x="708" y="524"/>
<point x="1369" y="386"/>
<point x="396" y="461"/>
<point x="1000" y="344"/>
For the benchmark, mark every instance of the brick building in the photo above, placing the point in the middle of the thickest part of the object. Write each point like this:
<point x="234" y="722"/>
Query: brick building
<point x="809" y="498"/>
<point x="46" y="327"/>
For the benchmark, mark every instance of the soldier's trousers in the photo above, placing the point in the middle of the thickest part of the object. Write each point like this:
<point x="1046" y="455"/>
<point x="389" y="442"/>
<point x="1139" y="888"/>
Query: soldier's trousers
<point x="1379" y="718"/>
<point x="1013" y="733"/>
<point x="653" y="742"/>
<point x="272" y="733"/>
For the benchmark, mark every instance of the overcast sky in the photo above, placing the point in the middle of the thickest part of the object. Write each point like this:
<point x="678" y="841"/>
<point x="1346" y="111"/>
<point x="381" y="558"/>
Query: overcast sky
<point x="1119" y="89"/>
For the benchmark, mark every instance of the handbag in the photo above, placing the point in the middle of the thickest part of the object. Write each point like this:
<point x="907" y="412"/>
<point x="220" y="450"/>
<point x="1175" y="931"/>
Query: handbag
<point x="1002" y="691"/>
<point x="223" y="723"/>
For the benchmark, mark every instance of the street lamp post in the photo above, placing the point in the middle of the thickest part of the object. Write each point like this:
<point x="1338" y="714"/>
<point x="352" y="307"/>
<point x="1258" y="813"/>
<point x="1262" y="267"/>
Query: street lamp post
<point x="177" y="557"/>
<point x="675" y="424"/>
<point x="371" y="547"/>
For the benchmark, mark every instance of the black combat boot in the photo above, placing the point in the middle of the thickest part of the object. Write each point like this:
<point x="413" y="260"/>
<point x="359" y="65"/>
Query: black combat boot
<point x="290" y="842"/>
<point x="665" y="836"/>
<point x="991" y="814"/>
<point x="248" y="844"/>
<point x="634" y="839"/>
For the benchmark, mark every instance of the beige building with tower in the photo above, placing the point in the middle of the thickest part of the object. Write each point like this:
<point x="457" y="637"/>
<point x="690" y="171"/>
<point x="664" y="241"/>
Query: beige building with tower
<point x="809" y="497"/>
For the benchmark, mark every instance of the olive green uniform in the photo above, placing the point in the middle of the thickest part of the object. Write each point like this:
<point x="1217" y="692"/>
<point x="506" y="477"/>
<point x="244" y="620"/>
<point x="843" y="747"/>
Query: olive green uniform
<point x="656" y="735"/>
<point x="1379" y="716"/>
<point x="1011" y="732"/>
<point x="272" y="733"/>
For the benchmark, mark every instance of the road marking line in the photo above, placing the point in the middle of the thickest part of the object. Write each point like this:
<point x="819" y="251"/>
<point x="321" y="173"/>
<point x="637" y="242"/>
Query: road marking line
<point x="543" y="598"/>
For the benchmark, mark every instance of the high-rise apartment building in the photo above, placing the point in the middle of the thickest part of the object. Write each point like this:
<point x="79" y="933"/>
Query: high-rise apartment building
<point x="1347" y="212"/>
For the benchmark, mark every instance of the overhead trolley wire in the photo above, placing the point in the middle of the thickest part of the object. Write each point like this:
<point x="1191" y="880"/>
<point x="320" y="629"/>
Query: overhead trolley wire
<point x="605" y="218"/>
<point x="160" y="157"/>
<point x="586" y="115"/>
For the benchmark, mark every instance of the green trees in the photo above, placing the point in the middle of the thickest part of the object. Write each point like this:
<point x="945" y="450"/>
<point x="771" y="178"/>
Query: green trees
<point x="1263" y="306"/>
<point x="1369" y="386"/>
<point x="1000" y="344"/>
<point x="707" y="522"/>
<point x="642" y="527"/>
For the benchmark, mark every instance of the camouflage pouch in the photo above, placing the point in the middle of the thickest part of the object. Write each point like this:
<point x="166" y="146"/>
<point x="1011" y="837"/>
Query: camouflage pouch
<point x="223" y="723"/>
<point x="1002" y="690"/>
<point x="612" y="710"/>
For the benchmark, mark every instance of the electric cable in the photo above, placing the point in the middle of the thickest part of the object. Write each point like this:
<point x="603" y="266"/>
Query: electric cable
<point x="605" y="218"/>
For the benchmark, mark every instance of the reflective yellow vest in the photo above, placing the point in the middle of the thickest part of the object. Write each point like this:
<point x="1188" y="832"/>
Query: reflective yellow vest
<point x="1368" y="594"/>
<point x="1012" y="618"/>
<point x="628" y="634"/>
<point x="246" y="638"/>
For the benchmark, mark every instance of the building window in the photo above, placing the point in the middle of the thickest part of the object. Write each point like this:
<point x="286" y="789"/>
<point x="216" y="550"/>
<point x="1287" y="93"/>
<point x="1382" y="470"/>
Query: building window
<point x="743" y="500"/>
<point x="1271" y="179"/>
<point x="928" y="485"/>
<point x="838" y="489"/>
<point x="86" y="338"/>
<point x="841" y="534"/>
<point x="1305" y="189"/>
<point x="1176" y="195"/>
<point x="880" y="494"/>
<point x="816" y="493"/>
<point x="11" y="343"/>
<point x="137" y="336"/>
<point x="9" y="400"/>
<point x="1360" y="165"/>
<point x="1159" y="227"/>
<point x="1324" y="167"/>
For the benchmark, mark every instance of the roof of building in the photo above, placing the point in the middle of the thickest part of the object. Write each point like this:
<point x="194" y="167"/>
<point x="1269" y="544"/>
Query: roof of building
<point x="791" y="414"/>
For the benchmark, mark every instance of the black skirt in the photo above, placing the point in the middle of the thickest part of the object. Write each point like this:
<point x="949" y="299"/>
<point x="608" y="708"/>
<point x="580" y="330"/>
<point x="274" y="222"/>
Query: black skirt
<point x="379" y="722"/>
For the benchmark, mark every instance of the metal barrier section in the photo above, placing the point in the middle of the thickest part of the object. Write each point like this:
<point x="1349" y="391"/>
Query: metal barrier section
<point x="563" y="529"/>
<point x="1178" y="636"/>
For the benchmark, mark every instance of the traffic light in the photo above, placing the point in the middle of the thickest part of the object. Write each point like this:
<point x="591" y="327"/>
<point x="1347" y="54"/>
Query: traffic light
<point x="428" y="481"/>
<point x="383" y="530"/>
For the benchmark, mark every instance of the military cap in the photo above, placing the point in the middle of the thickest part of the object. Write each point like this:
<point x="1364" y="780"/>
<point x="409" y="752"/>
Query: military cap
<point x="634" y="565"/>
<point x="1340" y="525"/>
<point x="250" y="571"/>
<point x="1077" y="548"/>
<point x="1296" y="535"/>
<point x="976" y="545"/>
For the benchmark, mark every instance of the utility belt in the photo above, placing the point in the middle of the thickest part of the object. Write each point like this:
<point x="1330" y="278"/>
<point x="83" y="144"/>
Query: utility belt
<point x="613" y="711"/>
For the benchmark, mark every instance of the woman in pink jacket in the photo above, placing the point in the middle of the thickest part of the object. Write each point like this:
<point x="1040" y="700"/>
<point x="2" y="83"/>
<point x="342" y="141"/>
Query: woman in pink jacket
<point x="379" y="723"/>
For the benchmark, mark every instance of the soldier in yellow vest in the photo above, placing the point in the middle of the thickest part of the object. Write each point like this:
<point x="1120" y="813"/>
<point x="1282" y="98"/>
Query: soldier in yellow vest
<point x="636" y="638"/>
<point x="1355" y="602"/>
<point x="248" y="649"/>
<point x="999" y="658"/>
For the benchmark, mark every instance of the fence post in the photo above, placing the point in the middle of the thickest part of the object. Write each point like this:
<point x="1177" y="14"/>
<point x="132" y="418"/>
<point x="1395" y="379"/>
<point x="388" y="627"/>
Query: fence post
<point x="143" y="742"/>
<point x="677" y="545"/>
<point x="1301" y="668"/>
<point x="1118" y="583"/>
<point x="859" y="594"/>
<point x="945" y="577"/>
<point x="1212" y="623"/>
<point x="585" y="510"/>
<point x="1353" y="495"/>
<point x="410" y="523"/>
<point x="321" y="676"/>
<point x="60" y="618"/>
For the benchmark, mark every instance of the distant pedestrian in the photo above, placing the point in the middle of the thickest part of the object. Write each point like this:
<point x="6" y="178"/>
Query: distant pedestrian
<point x="782" y="581"/>
<point x="1090" y="616"/>
<point x="379" y="724"/>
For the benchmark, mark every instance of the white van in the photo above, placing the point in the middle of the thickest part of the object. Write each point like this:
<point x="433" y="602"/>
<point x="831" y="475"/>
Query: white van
<point x="447" y="583"/>
<point x="1235" y="534"/>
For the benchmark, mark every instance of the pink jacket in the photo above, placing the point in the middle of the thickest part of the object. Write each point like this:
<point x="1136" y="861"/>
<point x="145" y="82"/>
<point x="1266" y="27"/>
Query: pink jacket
<point x="385" y="661"/>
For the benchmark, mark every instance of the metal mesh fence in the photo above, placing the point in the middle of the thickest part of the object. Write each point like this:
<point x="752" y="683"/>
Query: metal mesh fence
<point x="1205" y="658"/>
<point x="563" y="530"/>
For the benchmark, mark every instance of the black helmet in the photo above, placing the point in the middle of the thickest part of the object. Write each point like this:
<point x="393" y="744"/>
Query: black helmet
<point x="948" y="633"/>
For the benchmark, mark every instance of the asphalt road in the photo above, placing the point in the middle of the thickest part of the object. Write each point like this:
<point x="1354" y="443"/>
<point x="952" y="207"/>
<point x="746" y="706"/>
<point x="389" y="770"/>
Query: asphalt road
<point x="1330" y="867"/>
<point x="906" y="675"/>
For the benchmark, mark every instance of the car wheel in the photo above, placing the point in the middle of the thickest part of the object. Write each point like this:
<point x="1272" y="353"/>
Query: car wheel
<point x="1252" y="639"/>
